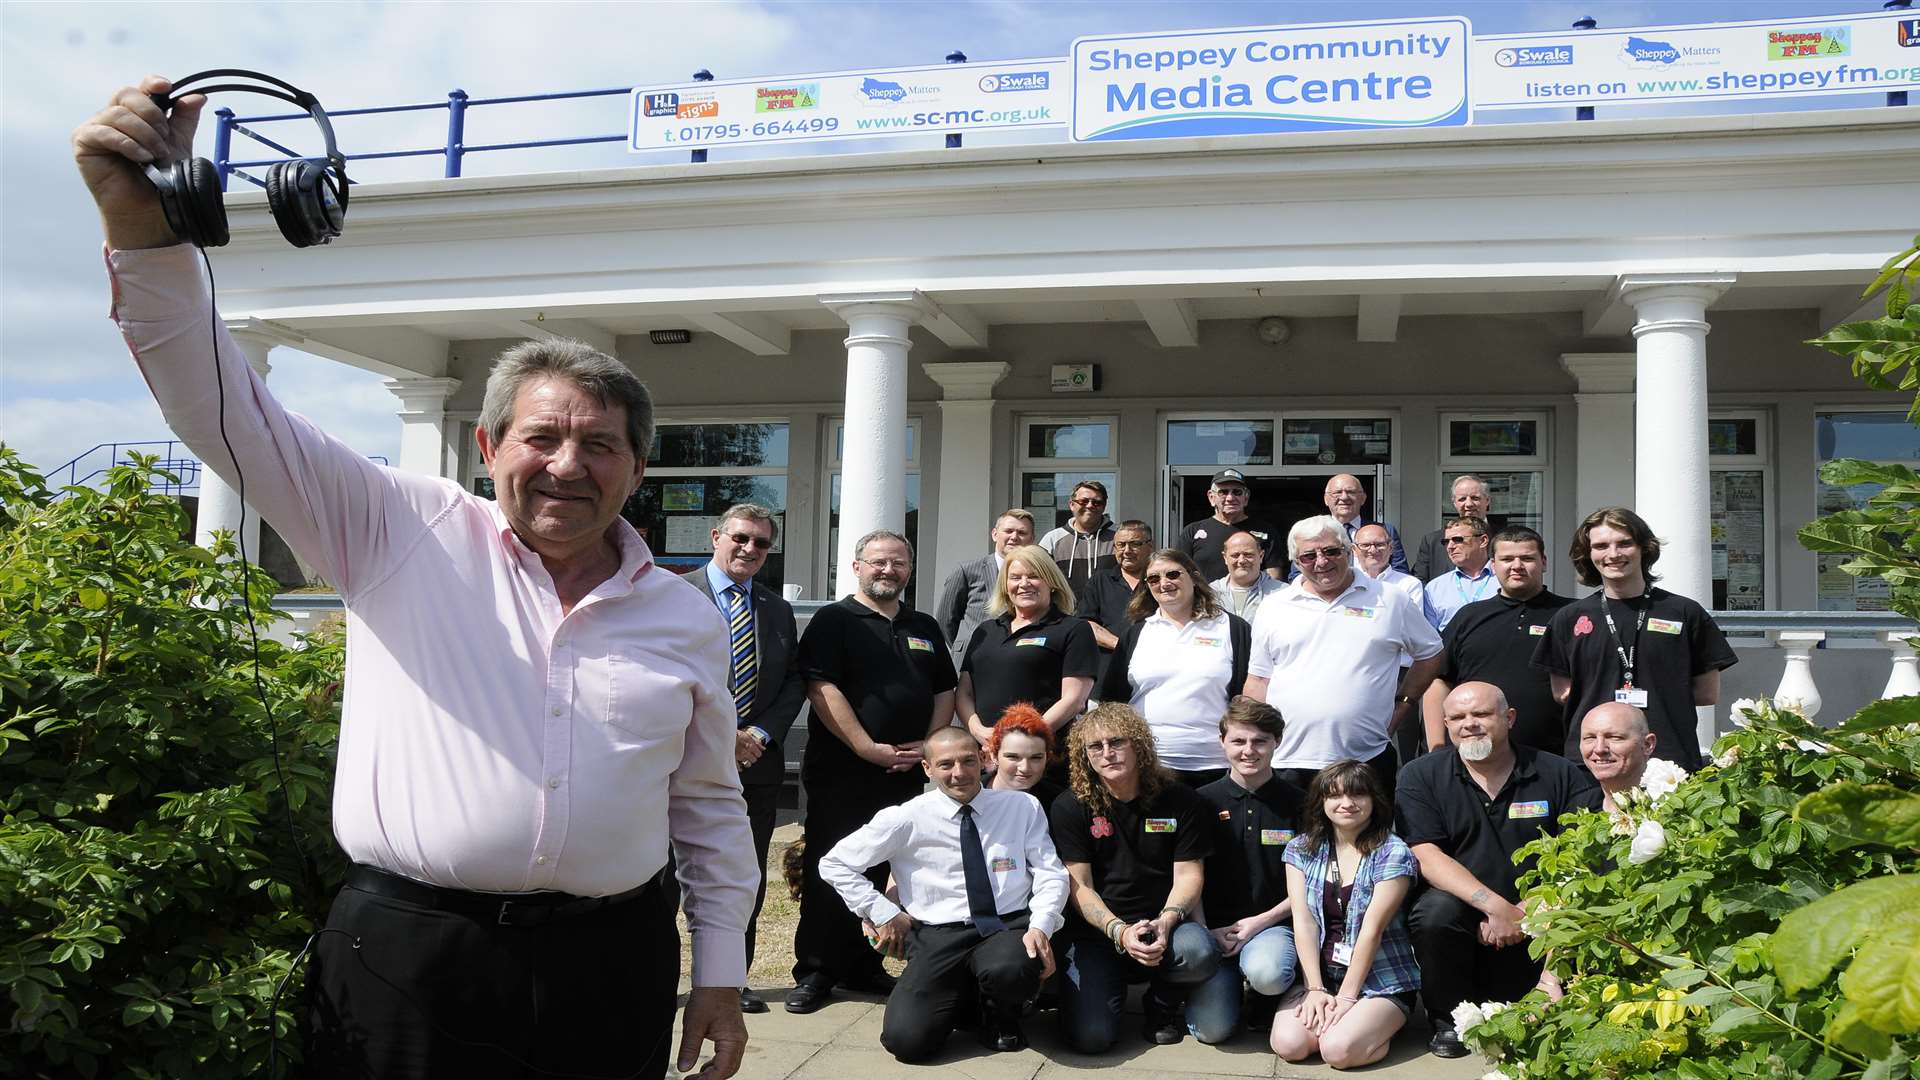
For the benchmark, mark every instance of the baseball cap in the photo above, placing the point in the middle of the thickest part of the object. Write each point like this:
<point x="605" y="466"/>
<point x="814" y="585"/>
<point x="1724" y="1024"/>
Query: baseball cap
<point x="1225" y="476"/>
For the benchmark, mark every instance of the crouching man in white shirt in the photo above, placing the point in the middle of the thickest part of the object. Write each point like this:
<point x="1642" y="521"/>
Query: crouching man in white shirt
<point x="981" y="894"/>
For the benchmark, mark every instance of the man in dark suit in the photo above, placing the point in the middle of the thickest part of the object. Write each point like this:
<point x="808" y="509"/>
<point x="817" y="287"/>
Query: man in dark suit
<point x="964" y="595"/>
<point x="765" y="677"/>
<point x="1469" y="500"/>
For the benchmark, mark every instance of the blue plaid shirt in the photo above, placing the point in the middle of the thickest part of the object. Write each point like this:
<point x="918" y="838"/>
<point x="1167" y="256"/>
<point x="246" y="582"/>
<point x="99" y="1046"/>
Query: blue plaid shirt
<point x="1394" y="969"/>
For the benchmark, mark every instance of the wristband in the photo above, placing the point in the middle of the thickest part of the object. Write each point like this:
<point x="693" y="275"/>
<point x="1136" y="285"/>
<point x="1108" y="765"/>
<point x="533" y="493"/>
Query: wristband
<point x="1316" y="989"/>
<point x="1345" y="998"/>
<point x="1179" y="912"/>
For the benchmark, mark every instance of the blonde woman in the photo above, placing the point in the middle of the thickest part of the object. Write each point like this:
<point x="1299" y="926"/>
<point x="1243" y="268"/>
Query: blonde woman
<point x="1032" y="649"/>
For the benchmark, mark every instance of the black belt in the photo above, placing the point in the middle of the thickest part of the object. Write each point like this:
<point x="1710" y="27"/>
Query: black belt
<point x="967" y="924"/>
<point x="505" y="909"/>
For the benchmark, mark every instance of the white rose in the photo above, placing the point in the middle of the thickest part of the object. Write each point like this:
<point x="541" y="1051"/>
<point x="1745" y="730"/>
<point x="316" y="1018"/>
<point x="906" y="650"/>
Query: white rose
<point x="1491" y="1009"/>
<point x="1496" y="1075"/>
<point x="1742" y="710"/>
<point x="1649" y="841"/>
<point x="1725" y="758"/>
<point x="1467" y="1016"/>
<point x="1661" y="778"/>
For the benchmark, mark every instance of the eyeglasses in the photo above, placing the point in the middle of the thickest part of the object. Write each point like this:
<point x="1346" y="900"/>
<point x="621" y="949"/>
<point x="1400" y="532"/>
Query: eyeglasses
<point x="1374" y="545"/>
<point x="743" y="539"/>
<point x="1089" y="502"/>
<point x="1170" y="575"/>
<point x="1101" y="746"/>
<point x="1231" y="492"/>
<point x="1131" y="543"/>
<point x="1332" y="554"/>
<point x="888" y="564"/>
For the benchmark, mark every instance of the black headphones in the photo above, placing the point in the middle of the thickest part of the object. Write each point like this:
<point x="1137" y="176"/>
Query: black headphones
<point x="308" y="197"/>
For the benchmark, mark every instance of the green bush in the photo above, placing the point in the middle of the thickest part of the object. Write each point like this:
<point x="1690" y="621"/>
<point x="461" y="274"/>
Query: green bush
<point x="152" y="889"/>
<point x="1667" y="921"/>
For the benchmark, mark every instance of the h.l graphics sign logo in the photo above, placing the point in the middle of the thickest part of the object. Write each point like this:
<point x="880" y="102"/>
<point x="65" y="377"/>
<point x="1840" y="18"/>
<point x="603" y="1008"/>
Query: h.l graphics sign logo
<point x="661" y="104"/>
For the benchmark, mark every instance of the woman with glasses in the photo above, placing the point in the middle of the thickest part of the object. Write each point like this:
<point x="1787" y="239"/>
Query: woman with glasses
<point x="1179" y="664"/>
<point x="1032" y="649"/>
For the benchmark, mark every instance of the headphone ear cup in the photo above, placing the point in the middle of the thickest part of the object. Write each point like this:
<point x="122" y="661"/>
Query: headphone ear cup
<point x="204" y="211"/>
<point x="294" y="195"/>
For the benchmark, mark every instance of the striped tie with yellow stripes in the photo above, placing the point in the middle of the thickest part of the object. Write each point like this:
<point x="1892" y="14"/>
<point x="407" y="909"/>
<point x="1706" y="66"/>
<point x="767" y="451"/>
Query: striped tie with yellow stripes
<point x="746" y="668"/>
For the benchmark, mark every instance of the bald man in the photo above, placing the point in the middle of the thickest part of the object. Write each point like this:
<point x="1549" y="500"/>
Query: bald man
<point x="1615" y="744"/>
<point x="1345" y="498"/>
<point x="1465" y="809"/>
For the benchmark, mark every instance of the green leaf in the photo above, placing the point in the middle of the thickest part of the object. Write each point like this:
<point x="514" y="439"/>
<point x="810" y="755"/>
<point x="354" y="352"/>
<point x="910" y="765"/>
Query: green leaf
<point x="1812" y="940"/>
<point x="1858" y="814"/>
<point x="1882" y="714"/>
<point x="1884" y="979"/>
<point x="1681" y="978"/>
<point x="1736" y="1018"/>
<point x="1846" y="472"/>
<point x="1850" y="1029"/>
<point x="93" y="599"/>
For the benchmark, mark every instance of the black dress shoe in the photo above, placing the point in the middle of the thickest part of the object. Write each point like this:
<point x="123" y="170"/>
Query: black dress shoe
<point x="750" y="1002"/>
<point x="1164" y="1028"/>
<point x="808" y="997"/>
<point x="1001" y="1033"/>
<point x="879" y="984"/>
<point x="1446" y="1043"/>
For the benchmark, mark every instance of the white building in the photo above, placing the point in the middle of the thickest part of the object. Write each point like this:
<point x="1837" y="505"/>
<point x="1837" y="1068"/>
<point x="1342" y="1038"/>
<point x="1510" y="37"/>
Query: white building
<point x="1606" y="312"/>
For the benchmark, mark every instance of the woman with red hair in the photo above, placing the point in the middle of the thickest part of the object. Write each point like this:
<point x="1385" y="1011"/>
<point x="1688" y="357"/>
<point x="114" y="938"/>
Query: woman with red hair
<point x="1020" y="746"/>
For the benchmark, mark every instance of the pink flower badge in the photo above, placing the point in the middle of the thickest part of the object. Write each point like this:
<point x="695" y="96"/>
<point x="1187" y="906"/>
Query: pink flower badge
<point x="1583" y="625"/>
<point x="1101" y="827"/>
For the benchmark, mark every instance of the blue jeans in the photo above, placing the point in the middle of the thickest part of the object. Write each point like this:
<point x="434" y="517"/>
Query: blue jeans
<point x="1268" y="965"/>
<point x="1097" y="978"/>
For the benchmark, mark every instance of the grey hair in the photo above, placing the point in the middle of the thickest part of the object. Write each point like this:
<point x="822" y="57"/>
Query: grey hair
<point x="605" y="379"/>
<point x="752" y="512"/>
<point x="1463" y="478"/>
<point x="1313" y="528"/>
<point x="860" y="545"/>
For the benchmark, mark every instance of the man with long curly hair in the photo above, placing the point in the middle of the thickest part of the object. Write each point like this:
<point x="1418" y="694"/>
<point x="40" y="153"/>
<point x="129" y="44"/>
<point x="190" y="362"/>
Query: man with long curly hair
<point x="1134" y="841"/>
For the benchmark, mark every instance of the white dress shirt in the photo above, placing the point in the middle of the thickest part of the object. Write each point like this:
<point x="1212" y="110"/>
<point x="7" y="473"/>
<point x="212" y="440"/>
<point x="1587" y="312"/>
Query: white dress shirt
<point x="489" y="741"/>
<point x="921" y="839"/>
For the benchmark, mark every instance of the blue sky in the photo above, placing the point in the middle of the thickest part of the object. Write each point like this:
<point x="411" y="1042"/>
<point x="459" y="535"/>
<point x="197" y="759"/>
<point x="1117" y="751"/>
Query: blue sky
<point x="66" y="382"/>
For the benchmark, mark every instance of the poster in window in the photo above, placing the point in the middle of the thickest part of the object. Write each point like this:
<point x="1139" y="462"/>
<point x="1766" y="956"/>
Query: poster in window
<point x="1301" y="443"/>
<point x="690" y="534"/>
<point x="683" y="496"/>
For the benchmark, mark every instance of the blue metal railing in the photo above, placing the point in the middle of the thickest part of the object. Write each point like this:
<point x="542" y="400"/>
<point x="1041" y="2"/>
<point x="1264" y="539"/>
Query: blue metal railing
<point x="454" y="152"/>
<point x="174" y="456"/>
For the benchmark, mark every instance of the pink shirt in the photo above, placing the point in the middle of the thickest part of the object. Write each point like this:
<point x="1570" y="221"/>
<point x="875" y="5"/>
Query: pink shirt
<point x="489" y="741"/>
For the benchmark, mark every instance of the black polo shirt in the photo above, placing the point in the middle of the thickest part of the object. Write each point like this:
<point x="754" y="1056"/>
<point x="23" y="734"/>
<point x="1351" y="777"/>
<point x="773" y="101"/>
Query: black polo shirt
<point x="1103" y="598"/>
<point x="1492" y="641"/>
<point x="1440" y="804"/>
<point x="889" y="670"/>
<point x="1678" y="642"/>
<point x="1027" y="664"/>
<point x="1206" y="539"/>
<point x="1133" y="846"/>
<point x="1246" y="874"/>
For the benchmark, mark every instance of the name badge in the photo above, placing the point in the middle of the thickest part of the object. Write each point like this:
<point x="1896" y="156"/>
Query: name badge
<point x="1343" y="953"/>
<point x="1226" y="815"/>
<point x="1001" y="866"/>
<point x="1631" y="695"/>
<point x="1536" y="809"/>
<point x="920" y="643"/>
<point x="1538" y="630"/>
<point x="1161" y="824"/>
<point x="1026" y="641"/>
<point x="1275" y="837"/>
<point x="1360" y="612"/>
<point x="1664" y="626"/>
<point x="1207" y="642"/>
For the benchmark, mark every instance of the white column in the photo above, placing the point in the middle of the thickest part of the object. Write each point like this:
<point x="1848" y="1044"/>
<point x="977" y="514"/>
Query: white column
<point x="873" y="455"/>
<point x="965" y="514"/>
<point x="220" y="506"/>
<point x="1673" y="489"/>
<point x="1603" y="467"/>
<point x="426" y="444"/>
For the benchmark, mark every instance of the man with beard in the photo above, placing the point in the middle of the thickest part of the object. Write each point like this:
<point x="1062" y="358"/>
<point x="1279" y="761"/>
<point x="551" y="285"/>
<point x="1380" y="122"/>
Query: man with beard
<point x="880" y="679"/>
<point x="1615" y="746"/>
<point x="1465" y="811"/>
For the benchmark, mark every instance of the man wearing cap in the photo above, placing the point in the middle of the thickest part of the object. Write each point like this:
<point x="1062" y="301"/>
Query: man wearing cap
<point x="1205" y="540"/>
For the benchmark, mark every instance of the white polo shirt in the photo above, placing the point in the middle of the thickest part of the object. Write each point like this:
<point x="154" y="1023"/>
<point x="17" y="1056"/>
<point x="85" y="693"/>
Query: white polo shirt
<point x="1179" y="676"/>
<point x="1334" y="668"/>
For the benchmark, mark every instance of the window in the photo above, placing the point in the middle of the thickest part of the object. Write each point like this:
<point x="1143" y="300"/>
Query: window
<point x="695" y="471"/>
<point x="1741" y="509"/>
<point x="1056" y="454"/>
<point x="1219" y="443"/>
<point x="1349" y="440"/>
<point x="1872" y="435"/>
<point x="1509" y="453"/>
<point x="912" y="529"/>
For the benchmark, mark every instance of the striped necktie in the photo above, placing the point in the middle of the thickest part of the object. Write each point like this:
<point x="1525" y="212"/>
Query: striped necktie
<point x="746" y="667"/>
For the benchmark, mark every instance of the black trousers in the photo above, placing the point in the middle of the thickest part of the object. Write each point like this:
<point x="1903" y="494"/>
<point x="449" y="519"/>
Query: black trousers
<point x="828" y="946"/>
<point x="1454" y="966"/>
<point x="401" y="990"/>
<point x="1386" y="766"/>
<point x="763" y="806"/>
<point x="948" y="966"/>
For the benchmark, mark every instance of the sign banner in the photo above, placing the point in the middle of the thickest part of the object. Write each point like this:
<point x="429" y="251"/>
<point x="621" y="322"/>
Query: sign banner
<point x="1404" y="73"/>
<point x="1835" y="54"/>
<point x="850" y="105"/>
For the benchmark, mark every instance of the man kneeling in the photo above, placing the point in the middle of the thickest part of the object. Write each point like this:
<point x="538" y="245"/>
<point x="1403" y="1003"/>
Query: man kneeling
<point x="982" y="891"/>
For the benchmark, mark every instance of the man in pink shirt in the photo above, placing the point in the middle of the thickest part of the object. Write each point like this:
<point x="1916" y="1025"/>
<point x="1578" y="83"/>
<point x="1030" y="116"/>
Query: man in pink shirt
<point x="533" y="709"/>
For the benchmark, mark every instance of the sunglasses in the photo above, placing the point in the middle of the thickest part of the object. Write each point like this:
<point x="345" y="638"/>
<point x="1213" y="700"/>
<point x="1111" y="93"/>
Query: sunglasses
<point x="1331" y="554"/>
<point x="743" y="539"/>
<point x="1089" y="502"/>
<point x="1452" y="540"/>
<point x="1170" y="575"/>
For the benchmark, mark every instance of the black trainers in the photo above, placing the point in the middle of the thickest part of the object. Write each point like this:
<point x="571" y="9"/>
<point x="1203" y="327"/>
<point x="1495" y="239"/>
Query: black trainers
<point x="1259" y="1011"/>
<point x="1446" y="1042"/>
<point x="1000" y="1032"/>
<point x="1164" y="1026"/>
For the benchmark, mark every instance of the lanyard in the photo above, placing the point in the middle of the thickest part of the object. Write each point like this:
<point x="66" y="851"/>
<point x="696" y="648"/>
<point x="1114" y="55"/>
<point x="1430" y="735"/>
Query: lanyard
<point x="1626" y="654"/>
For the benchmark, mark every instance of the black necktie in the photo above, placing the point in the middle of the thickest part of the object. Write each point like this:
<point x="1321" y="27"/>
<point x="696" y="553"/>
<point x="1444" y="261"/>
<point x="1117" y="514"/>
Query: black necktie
<point x="973" y="861"/>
